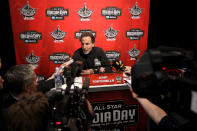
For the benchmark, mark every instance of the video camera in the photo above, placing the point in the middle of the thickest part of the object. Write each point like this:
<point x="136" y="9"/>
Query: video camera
<point x="69" y="108"/>
<point x="158" y="66"/>
<point x="167" y="75"/>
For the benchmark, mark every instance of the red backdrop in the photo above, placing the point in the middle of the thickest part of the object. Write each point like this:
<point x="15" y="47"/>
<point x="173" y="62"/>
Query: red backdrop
<point x="33" y="21"/>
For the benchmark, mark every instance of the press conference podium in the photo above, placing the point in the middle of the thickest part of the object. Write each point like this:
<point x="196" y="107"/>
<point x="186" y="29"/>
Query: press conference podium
<point x="114" y="107"/>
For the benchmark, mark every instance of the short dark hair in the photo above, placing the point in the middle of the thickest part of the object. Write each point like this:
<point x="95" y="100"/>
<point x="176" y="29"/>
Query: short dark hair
<point x="85" y="34"/>
<point x="30" y="113"/>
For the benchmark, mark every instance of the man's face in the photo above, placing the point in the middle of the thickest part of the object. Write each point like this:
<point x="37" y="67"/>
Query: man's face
<point x="33" y="86"/>
<point x="86" y="44"/>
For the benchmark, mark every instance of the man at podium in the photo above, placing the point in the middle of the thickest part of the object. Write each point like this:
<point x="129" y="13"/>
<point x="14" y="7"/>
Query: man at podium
<point x="93" y="58"/>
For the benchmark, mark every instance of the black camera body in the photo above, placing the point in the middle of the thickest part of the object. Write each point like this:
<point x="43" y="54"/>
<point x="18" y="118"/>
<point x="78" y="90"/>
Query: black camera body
<point x="69" y="109"/>
<point x="158" y="67"/>
<point x="167" y="76"/>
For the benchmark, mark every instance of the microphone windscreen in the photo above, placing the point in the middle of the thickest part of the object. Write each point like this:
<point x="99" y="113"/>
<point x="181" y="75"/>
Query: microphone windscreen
<point x="118" y="65"/>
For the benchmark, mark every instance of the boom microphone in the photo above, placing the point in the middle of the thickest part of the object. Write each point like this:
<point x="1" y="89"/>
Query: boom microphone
<point x="61" y="68"/>
<point x="66" y="64"/>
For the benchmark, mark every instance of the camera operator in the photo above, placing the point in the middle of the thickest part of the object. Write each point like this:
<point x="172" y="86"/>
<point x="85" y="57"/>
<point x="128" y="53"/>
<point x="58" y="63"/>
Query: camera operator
<point x="153" y="111"/>
<point x="30" y="113"/>
<point x="149" y="81"/>
<point x="164" y="120"/>
<point x="19" y="79"/>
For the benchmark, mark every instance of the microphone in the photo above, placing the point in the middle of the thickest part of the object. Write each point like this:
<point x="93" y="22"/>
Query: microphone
<point x="97" y="64"/>
<point x="66" y="64"/>
<point x="61" y="68"/>
<point x="118" y="65"/>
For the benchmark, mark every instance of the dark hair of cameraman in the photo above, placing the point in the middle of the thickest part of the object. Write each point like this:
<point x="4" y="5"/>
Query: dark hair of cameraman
<point x="29" y="113"/>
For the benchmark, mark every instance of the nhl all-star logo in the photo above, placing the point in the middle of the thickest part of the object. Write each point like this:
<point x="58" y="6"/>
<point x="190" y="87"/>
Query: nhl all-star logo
<point x="57" y="13"/>
<point x="135" y="11"/>
<point x="58" y="35"/>
<point x="111" y="34"/>
<point x="30" y="36"/>
<point x="85" y="13"/>
<point x="28" y="12"/>
<point x="32" y="58"/>
<point x="112" y="55"/>
<point x="111" y="12"/>
<point x="118" y="78"/>
<point x="134" y="34"/>
<point x="78" y="33"/>
<point x="133" y="53"/>
<point x="59" y="57"/>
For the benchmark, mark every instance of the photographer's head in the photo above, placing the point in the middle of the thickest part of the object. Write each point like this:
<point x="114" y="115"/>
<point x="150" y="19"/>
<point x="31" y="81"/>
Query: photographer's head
<point x="20" y="78"/>
<point x="87" y="42"/>
<point x="29" y="113"/>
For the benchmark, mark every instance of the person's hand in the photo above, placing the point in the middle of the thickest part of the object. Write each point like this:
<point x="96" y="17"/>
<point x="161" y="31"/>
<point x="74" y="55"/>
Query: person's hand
<point x="102" y="70"/>
<point x="127" y="69"/>
<point x="134" y="95"/>
<point x="89" y="106"/>
<point x="53" y="75"/>
<point x="91" y="71"/>
<point x="87" y="72"/>
<point x="61" y="68"/>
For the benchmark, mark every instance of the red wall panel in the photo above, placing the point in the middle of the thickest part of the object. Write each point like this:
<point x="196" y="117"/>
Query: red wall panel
<point x="39" y="27"/>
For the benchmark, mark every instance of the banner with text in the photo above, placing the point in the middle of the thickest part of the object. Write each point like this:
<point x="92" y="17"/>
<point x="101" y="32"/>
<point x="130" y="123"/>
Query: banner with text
<point x="46" y="33"/>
